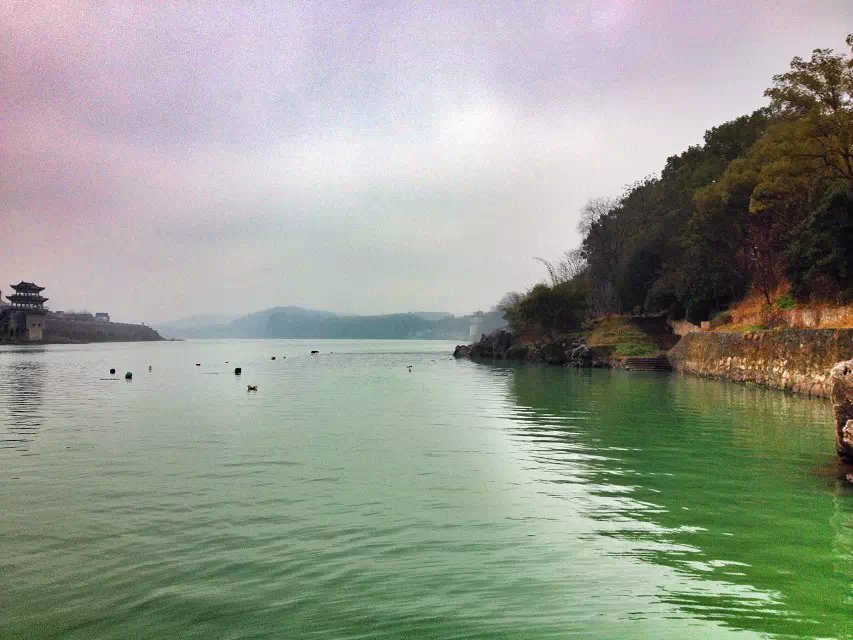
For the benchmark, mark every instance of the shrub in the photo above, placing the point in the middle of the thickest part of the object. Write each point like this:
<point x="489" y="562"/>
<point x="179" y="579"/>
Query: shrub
<point x="785" y="302"/>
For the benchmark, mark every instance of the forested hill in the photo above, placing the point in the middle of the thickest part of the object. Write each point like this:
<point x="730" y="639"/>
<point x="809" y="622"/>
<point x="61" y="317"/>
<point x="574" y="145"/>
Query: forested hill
<point x="764" y="206"/>
<point x="297" y="322"/>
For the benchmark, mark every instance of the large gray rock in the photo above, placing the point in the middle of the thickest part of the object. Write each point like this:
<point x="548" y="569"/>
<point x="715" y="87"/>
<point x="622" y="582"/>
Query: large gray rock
<point x="841" y="380"/>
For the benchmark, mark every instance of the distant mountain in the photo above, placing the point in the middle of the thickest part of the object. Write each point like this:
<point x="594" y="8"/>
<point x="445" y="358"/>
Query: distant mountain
<point x="298" y="322"/>
<point x="194" y="323"/>
<point x="252" y="325"/>
<point x="255" y="325"/>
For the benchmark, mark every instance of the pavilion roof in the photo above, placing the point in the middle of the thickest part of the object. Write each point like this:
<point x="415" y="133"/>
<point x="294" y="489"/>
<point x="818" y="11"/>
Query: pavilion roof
<point x="23" y="285"/>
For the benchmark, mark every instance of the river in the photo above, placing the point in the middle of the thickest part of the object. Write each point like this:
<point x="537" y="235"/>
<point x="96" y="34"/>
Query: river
<point x="349" y="497"/>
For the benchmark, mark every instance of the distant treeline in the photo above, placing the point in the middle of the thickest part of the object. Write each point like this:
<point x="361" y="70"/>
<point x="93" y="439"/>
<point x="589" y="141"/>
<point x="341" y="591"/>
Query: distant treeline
<point x="766" y="201"/>
<point x="297" y="322"/>
<point x="401" y="325"/>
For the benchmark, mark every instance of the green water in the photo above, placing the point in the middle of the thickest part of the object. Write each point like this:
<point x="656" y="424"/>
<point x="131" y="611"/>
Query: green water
<point x="350" y="498"/>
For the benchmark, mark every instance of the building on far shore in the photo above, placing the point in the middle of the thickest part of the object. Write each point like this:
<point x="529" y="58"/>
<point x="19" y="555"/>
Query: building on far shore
<point x="24" y="318"/>
<point x="102" y="316"/>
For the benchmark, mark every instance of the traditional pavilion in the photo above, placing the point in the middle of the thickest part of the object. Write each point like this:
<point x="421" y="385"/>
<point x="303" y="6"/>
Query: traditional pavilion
<point x="28" y="296"/>
<point x="25" y="318"/>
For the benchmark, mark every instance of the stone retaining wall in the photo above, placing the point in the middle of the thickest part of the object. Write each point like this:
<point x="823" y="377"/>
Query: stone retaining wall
<point x="792" y="359"/>
<point x="66" y="330"/>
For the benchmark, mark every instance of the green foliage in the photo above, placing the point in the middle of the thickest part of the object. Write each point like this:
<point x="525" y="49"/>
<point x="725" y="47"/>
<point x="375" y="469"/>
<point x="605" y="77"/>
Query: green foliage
<point x="785" y="302"/>
<point x="551" y="310"/>
<point x="815" y="99"/>
<point x="635" y="350"/>
<point x="820" y="260"/>
<point x="622" y="335"/>
<point x="723" y="215"/>
<point x="744" y="210"/>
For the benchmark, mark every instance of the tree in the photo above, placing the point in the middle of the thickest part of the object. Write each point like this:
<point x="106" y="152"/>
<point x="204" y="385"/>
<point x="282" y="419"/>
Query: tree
<point x="604" y="234"/>
<point x="820" y="260"/>
<point x="814" y="101"/>
<point x="570" y="267"/>
<point x="551" y="310"/>
<point x="508" y="306"/>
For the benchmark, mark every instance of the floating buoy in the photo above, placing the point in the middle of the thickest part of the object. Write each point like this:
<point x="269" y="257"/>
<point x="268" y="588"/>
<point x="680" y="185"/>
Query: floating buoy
<point x="112" y="372"/>
<point x="315" y="351"/>
<point x="128" y="376"/>
<point x="198" y="364"/>
<point x="149" y="367"/>
<point x="273" y="358"/>
<point x="237" y="371"/>
<point x="251" y="387"/>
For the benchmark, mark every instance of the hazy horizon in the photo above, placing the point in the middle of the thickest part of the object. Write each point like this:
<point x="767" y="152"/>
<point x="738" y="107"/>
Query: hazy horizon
<point x="162" y="162"/>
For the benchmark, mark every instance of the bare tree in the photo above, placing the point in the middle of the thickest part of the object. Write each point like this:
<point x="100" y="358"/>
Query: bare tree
<point x="594" y="211"/>
<point x="508" y="301"/>
<point x="567" y="268"/>
<point x="604" y="234"/>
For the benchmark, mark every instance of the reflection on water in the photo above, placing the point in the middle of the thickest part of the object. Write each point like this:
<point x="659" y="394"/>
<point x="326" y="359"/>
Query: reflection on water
<point x="351" y="498"/>
<point x="21" y="391"/>
<point x="711" y="480"/>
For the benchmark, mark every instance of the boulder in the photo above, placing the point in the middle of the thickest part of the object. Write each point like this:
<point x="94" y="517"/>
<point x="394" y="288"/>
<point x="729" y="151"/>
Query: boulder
<point x="841" y="392"/>
<point x="462" y="351"/>
<point x="581" y="352"/>
<point x="494" y="345"/>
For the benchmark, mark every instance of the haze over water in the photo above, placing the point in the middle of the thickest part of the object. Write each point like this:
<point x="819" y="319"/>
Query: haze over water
<point x="349" y="498"/>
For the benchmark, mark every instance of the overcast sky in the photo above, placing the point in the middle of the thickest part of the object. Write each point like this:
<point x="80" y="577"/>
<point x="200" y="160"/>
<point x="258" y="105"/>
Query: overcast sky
<point x="164" y="159"/>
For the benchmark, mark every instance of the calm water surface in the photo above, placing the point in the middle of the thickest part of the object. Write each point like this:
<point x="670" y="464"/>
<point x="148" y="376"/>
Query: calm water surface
<point x="349" y="498"/>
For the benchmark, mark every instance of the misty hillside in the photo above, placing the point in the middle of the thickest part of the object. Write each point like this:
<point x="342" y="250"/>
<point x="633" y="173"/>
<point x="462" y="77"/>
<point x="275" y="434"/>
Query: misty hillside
<point x="195" y="321"/>
<point x="298" y="322"/>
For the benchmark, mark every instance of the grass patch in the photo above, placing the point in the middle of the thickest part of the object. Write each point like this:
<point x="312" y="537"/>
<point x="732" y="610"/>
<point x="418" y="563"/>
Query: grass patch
<point x="635" y="349"/>
<point x="625" y="338"/>
<point x="785" y="302"/>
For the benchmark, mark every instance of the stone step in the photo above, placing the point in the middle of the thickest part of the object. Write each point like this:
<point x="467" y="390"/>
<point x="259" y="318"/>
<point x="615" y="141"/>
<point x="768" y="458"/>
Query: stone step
<point x="659" y="363"/>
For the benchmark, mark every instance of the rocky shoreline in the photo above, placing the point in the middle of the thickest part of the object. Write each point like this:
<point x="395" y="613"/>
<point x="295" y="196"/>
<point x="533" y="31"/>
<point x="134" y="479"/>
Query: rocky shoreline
<point x="569" y="350"/>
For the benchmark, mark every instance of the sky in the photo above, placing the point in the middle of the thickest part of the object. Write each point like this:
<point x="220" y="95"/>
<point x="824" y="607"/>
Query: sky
<point x="163" y="159"/>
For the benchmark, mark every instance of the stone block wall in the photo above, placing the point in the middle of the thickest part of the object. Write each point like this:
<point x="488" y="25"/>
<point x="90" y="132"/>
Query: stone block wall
<point x="65" y="330"/>
<point x="796" y="360"/>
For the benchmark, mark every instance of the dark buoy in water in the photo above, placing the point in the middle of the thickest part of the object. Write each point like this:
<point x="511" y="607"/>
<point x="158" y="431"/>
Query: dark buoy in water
<point x="128" y="376"/>
<point x="273" y="358"/>
<point x="112" y="372"/>
<point x="149" y="367"/>
<point x="237" y="371"/>
<point x="198" y="364"/>
<point x="315" y="351"/>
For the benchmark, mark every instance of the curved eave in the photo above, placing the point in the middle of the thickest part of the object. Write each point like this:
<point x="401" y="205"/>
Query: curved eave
<point x="26" y="286"/>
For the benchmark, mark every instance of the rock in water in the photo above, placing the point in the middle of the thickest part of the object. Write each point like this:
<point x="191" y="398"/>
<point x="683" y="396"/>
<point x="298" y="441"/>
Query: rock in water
<point x="841" y="378"/>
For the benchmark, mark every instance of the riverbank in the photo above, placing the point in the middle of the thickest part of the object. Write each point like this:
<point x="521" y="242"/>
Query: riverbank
<point x="797" y="360"/>
<point x="610" y="341"/>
